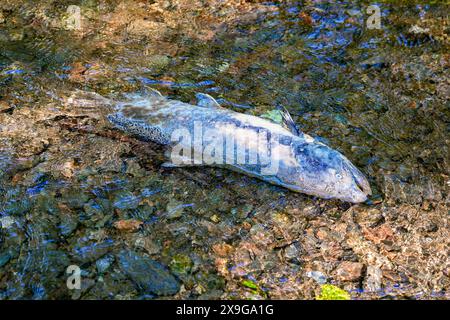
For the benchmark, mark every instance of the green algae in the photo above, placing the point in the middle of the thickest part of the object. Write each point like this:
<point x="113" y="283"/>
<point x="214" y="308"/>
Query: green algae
<point x="331" y="292"/>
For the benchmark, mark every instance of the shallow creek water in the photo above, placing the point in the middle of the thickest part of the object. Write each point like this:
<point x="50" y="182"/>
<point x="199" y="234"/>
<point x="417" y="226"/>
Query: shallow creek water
<point x="73" y="191"/>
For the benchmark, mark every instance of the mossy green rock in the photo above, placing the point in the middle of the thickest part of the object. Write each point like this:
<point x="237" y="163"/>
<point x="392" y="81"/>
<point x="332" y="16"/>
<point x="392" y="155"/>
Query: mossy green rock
<point x="180" y="264"/>
<point x="158" y="61"/>
<point x="330" y="292"/>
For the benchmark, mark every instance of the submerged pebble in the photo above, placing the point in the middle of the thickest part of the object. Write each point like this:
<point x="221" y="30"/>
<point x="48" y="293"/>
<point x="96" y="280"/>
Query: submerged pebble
<point x="149" y="275"/>
<point x="4" y="258"/>
<point x="104" y="263"/>
<point x="126" y="200"/>
<point x="318" y="276"/>
<point x="93" y="251"/>
<point x="7" y="221"/>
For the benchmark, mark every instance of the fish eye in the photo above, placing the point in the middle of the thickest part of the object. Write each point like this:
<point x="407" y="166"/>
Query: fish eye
<point x="339" y="176"/>
<point x="300" y="149"/>
<point x="286" y="140"/>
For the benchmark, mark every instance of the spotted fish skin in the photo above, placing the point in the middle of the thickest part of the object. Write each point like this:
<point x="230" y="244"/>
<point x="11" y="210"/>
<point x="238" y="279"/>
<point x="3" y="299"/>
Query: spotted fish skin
<point x="140" y="129"/>
<point x="303" y="164"/>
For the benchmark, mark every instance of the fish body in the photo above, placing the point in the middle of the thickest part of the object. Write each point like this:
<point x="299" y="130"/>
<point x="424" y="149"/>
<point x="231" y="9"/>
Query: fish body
<point x="208" y="134"/>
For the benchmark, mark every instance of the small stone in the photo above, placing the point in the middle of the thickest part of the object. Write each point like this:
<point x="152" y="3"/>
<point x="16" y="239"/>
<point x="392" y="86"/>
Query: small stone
<point x="4" y="106"/>
<point x="4" y="258"/>
<point x="68" y="168"/>
<point x="199" y="289"/>
<point x="245" y="211"/>
<point x="148" y="245"/>
<point x="318" y="276"/>
<point x="86" y="285"/>
<point x="93" y="209"/>
<point x="391" y="275"/>
<point x="150" y="276"/>
<point x="177" y="229"/>
<point x="104" y="263"/>
<point x="354" y="13"/>
<point x="175" y="209"/>
<point x="368" y="217"/>
<point x="77" y="71"/>
<point x="417" y="30"/>
<point x="242" y="212"/>
<point x="126" y="200"/>
<point x="322" y="234"/>
<point x="17" y="35"/>
<point x="215" y="218"/>
<point x="158" y="61"/>
<point x="93" y="251"/>
<point x="292" y="253"/>
<point x="211" y="295"/>
<point x="430" y="226"/>
<point x="374" y="62"/>
<point x="180" y="264"/>
<point x="223" y="249"/>
<point x="75" y="199"/>
<point x="246" y="225"/>
<point x="373" y="279"/>
<point x="134" y="169"/>
<point x="383" y="233"/>
<point x="349" y="271"/>
<point x="129" y="225"/>
<point x="426" y="205"/>
<point x="7" y="221"/>
<point x="307" y="20"/>
<point x="68" y="226"/>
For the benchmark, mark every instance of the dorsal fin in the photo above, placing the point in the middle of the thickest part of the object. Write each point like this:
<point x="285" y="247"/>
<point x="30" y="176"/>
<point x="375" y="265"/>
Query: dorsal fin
<point x="144" y="93"/>
<point x="205" y="100"/>
<point x="154" y="93"/>
<point x="150" y="92"/>
<point x="288" y="122"/>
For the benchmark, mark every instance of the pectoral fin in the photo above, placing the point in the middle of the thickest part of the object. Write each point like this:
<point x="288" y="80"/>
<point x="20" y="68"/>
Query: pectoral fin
<point x="153" y="93"/>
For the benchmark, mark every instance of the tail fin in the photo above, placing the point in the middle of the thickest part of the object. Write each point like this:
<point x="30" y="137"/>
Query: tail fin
<point x="87" y="100"/>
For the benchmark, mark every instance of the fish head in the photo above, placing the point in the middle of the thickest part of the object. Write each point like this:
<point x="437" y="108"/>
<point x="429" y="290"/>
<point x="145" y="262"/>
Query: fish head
<point x="326" y="173"/>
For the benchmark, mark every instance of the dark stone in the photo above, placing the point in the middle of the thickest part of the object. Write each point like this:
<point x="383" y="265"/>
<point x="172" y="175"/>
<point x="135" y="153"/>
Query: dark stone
<point x="4" y="258"/>
<point x="92" y="252"/>
<point x="149" y="275"/>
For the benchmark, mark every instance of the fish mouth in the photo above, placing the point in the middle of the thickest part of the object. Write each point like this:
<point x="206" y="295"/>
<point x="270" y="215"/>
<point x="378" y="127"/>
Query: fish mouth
<point x="361" y="185"/>
<point x="361" y="188"/>
<point x="358" y="194"/>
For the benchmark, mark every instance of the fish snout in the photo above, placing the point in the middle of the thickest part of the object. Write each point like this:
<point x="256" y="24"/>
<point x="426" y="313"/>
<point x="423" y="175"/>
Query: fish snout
<point x="360" y="185"/>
